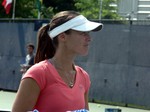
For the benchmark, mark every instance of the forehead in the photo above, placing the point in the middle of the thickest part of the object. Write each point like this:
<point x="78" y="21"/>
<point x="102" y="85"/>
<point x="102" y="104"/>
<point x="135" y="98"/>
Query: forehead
<point x="29" y="47"/>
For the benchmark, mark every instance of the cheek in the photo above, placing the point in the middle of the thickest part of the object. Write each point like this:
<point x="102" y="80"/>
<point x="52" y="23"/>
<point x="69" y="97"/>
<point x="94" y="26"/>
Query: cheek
<point x="84" y="51"/>
<point x="80" y="48"/>
<point x="75" y="42"/>
<point x="75" y="45"/>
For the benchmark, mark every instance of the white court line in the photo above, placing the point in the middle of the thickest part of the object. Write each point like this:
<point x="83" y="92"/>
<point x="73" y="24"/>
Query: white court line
<point x="101" y="108"/>
<point x="7" y="98"/>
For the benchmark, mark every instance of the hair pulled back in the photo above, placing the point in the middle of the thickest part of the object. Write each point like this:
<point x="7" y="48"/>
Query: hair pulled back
<point x="46" y="47"/>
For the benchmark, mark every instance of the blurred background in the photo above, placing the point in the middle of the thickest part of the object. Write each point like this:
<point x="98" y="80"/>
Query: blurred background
<point x="119" y="59"/>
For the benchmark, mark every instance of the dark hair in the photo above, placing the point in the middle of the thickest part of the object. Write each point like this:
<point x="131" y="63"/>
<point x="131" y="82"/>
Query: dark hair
<point x="46" y="47"/>
<point x="30" y="45"/>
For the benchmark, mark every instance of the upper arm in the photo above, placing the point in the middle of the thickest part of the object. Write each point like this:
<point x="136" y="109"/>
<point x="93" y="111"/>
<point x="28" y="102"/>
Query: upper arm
<point x="86" y="101"/>
<point x="27" y="95"/>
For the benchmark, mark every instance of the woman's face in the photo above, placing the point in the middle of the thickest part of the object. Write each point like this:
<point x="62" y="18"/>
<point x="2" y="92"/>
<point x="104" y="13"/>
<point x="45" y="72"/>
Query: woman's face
<point x="78" y="42"/>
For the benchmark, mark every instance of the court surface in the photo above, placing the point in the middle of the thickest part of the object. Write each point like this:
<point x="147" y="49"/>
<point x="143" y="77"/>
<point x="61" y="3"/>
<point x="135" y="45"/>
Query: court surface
<point x="7" y="98"/>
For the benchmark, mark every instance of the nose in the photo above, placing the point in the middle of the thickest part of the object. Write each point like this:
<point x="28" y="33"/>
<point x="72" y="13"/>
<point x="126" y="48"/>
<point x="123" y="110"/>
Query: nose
<point x="87" y="37"/>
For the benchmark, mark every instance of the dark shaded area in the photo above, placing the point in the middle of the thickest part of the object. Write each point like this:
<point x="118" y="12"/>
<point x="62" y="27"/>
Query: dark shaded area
<point x="60" y="5"/>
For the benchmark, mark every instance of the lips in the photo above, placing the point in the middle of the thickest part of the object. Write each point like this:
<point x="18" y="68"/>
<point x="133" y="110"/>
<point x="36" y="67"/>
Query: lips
<point x="86" y="45"/>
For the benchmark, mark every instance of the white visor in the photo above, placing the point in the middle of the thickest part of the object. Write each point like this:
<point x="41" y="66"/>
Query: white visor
<point x="79" y="23"/>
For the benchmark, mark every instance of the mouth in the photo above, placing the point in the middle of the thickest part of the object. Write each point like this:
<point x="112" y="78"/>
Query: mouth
<point x="87" y="45"/>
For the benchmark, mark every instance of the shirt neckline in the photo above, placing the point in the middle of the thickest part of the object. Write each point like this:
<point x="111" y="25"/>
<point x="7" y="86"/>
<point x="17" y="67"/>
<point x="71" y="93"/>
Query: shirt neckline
<point x="60" y="78"/>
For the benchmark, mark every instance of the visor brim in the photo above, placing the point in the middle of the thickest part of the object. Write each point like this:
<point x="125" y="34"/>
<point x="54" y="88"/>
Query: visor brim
<point x="89" y="26"/>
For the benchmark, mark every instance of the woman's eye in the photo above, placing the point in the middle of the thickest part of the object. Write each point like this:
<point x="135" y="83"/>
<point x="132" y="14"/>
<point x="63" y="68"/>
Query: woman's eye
<point x="84" y="33"/>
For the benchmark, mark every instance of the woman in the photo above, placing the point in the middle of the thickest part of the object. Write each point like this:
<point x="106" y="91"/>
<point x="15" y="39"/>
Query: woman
<point x="55" y="83"/>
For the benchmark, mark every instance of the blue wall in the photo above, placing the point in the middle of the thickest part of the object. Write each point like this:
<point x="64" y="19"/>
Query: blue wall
<point x="13" y="40"/>
<point x="118" y="61"/>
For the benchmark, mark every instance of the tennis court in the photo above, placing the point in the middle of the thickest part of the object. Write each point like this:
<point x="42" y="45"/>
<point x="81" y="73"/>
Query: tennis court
<point x="7" y="98"/>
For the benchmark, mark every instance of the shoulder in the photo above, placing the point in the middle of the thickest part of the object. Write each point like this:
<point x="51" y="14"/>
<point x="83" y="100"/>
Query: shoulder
<point x="41" y="65"/>
<point x="38" y="72"/>
<point x="81" y="70"/>
<point x="84" y="77"/>
<point x="82" y="73"/>
<point x="38" y="68"/>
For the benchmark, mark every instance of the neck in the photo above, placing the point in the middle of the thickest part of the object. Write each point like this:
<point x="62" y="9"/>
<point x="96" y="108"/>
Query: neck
<point x="64" y="56"/>
<point x="66" y="71"/>
<point x="63" y="64"/>
<point x="30" y="54"/>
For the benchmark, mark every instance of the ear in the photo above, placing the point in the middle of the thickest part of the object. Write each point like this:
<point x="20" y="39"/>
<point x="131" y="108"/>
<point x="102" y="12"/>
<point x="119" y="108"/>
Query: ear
<point x="62" y="37"/>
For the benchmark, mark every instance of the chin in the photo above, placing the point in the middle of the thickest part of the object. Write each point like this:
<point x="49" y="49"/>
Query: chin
<point x="84" y="54"/>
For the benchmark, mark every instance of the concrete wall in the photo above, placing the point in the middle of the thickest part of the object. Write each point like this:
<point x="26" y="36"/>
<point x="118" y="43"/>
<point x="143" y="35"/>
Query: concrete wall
<point x="14" y="38"/>
<point x="118" y="61"/>
<point x="119" y="65"/>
